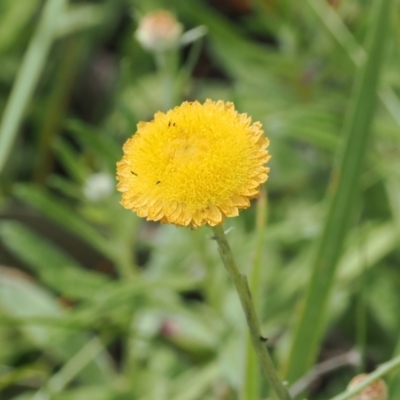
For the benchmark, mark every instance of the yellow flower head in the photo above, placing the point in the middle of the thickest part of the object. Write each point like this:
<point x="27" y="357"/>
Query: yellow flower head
<point x="194" y="165"/>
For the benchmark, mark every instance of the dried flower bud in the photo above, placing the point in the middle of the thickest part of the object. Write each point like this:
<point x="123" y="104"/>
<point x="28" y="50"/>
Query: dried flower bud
<point x="159" y="31"/>
<point x="376" y="391"/>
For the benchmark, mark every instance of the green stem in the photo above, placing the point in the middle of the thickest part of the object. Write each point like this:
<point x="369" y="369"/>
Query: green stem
<point x="380" y="371"/>
<point x="251" y="386"/>
<point x="167" y="62"/>
<point x="242" y="288"/>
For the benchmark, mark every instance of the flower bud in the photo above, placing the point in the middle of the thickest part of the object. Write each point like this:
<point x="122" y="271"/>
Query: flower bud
<point x="376" y="391"/>
<point x="159" y="31"/>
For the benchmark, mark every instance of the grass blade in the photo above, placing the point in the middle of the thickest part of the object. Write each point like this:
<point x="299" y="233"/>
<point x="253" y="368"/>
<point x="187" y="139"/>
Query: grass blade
<point x="87" y="354"/>
<point x="22" y="298"/>
<point x="28" y="76"/>
<point x="54" y="267"/>
<point x="341" y="33"/>
<point x="52" y="208"/>
<point x="343" y="191"/>
<point x="80" y="17"/>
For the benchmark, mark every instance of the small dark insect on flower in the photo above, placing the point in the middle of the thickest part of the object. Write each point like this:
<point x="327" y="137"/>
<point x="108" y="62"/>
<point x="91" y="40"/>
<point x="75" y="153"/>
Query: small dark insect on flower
<point x="133" y="173"/>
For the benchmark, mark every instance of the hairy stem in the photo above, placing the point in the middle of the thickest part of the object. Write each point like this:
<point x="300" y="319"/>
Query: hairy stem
<point x="242" y="288"/>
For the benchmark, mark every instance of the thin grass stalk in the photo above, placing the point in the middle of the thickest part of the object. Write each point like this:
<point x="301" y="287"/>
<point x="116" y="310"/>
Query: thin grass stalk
<point x="251" y="384"/>
<point x="28" y="76"/>
<point x="392" y="185"/>
<point x="243" y="291"/>
<point x="361" y="303"/>
<point x="343" y="190"/>
<point x="372" y="377"/>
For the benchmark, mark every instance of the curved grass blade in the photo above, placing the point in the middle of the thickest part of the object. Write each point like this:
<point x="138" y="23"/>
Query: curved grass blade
<point x="343" y="190"/>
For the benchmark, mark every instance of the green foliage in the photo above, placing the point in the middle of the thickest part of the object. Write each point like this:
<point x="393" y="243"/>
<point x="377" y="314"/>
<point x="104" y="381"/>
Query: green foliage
<point x="98" y="304"/>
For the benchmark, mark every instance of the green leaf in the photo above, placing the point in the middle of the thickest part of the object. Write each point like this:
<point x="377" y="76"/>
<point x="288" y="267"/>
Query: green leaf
<point x="28" y="76"/>
<point x="14" y="17"/>
<point x="99" y="142"/>
<point x="87" y="392"/>
<point x="192" y="385"/>
<point x="71" y="161"/>
<point x="22" y="298"/>
<point x="66" y="217"/>
<point x="17" y="375"/>
<point x="54" y="267"/>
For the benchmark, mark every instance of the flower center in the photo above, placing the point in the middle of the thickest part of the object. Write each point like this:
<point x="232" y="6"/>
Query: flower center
<point x="183" y="148"/>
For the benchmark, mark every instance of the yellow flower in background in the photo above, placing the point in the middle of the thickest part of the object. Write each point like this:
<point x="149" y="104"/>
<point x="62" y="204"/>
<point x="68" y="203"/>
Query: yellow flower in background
<point x="194" y="165"/>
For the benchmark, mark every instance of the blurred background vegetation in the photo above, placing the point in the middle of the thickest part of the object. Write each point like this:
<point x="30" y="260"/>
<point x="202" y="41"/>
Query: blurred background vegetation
<point x="97" y="304"/>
